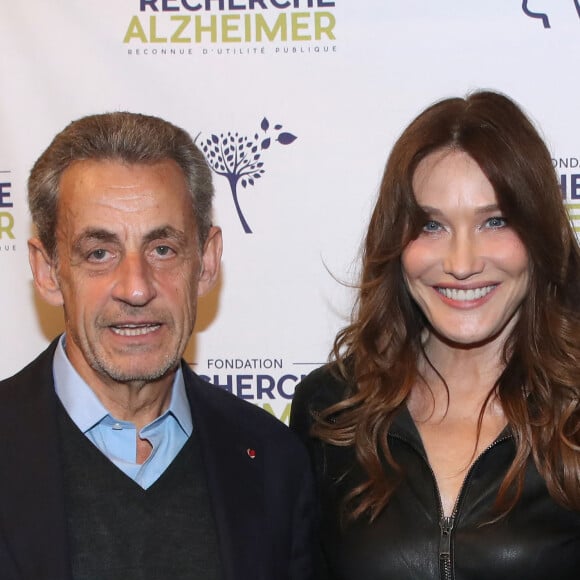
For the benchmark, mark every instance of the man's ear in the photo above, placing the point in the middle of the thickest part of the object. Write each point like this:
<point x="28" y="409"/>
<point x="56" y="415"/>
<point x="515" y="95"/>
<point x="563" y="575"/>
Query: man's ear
<point x="210" y="261"/>
<point x="44" y="272"/>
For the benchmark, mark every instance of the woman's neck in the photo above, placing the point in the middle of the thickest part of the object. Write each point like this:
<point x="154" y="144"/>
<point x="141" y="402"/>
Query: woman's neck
<point x="457" y="381"/>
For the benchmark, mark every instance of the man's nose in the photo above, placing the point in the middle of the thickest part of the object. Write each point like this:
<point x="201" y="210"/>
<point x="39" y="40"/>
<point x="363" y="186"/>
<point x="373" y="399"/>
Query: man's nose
<point x="463" y="256"/>
<point x="134" y="282"/>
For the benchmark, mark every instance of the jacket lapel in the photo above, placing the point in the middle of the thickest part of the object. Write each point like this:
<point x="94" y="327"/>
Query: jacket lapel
<point x="234" y="465"/>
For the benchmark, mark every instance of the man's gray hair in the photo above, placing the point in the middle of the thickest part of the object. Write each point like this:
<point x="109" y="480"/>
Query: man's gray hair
<point x="118" y="136"/>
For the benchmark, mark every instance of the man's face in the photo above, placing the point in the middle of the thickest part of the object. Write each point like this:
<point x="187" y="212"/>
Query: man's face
<point x="129" y="269"/>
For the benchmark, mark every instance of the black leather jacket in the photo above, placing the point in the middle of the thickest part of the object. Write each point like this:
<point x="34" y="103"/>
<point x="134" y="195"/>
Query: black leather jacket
<point x="411" y="539"/>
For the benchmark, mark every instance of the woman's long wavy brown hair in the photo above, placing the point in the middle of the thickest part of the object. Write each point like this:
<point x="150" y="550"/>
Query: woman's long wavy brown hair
<point x="378" y="352"/>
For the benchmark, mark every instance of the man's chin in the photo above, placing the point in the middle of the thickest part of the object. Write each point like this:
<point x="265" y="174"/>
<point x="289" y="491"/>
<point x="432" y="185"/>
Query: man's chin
<point x="135" y="373"/>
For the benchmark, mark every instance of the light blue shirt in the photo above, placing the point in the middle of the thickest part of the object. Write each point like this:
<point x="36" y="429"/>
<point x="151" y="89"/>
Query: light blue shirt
<point x="117" y="439"/>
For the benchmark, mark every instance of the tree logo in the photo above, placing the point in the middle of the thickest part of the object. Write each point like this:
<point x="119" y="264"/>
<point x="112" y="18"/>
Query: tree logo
<point x="238" y="158"/>
<point x="542" y="15"/>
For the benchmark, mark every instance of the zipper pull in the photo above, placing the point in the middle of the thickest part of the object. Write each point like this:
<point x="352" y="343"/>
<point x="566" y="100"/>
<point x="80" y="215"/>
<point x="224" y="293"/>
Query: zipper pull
<point x="446" y="525"/>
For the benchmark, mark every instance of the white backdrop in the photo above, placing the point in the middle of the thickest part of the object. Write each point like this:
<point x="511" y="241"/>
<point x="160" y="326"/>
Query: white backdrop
<point x="341" y="77"/>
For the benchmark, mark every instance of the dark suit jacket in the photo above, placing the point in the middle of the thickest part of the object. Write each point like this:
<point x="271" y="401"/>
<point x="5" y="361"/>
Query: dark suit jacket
<point x="263" y="507"/>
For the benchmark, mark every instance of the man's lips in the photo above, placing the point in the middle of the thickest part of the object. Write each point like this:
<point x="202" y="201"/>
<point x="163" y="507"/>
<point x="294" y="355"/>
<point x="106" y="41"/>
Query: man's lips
<point x="465" y="295"/>
<point x="134" y="329"/>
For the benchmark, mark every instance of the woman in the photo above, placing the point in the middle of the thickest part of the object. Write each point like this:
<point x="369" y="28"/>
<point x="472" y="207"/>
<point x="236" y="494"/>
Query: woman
<point x="445" y="434"/>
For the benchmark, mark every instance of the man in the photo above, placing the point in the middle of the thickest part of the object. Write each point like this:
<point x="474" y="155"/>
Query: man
<point x="117" y="461"/>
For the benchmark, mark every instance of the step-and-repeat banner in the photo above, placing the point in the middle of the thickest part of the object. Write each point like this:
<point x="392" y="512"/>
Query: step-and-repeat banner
<point x="321" y="88"/>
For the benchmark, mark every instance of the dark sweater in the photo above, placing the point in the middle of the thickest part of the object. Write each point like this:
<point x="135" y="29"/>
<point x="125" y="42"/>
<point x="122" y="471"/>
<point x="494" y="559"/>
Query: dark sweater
<point x="120" y="531"/>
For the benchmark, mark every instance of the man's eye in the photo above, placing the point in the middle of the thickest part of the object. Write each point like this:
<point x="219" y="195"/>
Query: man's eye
<point x="163" y="250"/>
<point x="496" y="222"/>
<point x="98" y="255"/>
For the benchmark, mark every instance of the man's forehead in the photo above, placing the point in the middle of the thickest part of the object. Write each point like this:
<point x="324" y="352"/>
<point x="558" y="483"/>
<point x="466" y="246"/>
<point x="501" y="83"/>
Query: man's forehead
<point x="90" y="171"/>
<point x="113" y="183"/>
<point x="119" y="197"/>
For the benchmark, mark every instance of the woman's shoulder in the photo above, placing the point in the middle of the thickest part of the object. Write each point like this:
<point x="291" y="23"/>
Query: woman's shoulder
<point x="319" y="390"/>
<point x="322" y="388"/>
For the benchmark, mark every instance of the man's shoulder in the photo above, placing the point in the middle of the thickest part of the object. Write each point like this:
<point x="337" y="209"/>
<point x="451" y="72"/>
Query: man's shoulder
<point x="238" y="412"/>
<point x="29" y="377"/>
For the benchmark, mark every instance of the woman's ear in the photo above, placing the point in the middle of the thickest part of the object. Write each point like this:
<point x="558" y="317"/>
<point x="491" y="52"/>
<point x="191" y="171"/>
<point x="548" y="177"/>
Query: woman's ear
<point x="44" y="272"/>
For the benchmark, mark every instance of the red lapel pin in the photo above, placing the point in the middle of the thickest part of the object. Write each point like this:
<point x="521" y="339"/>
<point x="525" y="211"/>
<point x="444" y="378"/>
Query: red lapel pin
<point x="251" y="453"/>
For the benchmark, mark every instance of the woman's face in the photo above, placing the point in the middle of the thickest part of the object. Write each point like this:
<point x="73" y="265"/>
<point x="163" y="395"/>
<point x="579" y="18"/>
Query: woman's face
<point x="467" y="270"/>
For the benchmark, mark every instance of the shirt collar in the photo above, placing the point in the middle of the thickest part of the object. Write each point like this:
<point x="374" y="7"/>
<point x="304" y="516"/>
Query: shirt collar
<point x="85" y="408"/>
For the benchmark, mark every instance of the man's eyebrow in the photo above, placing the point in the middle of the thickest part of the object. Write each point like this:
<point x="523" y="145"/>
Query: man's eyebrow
<point x="165" y="233"/>
<point x="94" y="234"/>
<point x="105" y="236"/>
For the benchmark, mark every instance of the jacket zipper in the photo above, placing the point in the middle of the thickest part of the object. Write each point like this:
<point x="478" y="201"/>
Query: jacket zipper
<point x="446" y="523"/>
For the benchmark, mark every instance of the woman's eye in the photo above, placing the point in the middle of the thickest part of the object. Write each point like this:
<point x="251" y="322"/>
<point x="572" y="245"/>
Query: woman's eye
<point x="496" y="222"/>
<point x="431" y="226"/>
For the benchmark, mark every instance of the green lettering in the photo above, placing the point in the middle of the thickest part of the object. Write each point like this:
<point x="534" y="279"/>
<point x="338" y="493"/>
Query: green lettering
<point x="280" y="26"/>
<point x="297" y="26"/>
<point x="212" y="28"/>
<point x="6" y="224"/>
<point x="228" y="27"/>
<point x="176" y="36"/>
<point x="153" y="30"/>
<point x="320" y="28"/>
<point x="135" y="30"/>
<point x="284" y="417"/>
